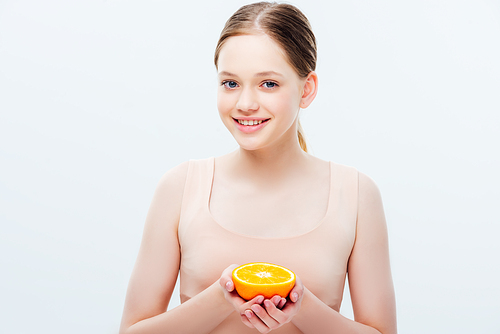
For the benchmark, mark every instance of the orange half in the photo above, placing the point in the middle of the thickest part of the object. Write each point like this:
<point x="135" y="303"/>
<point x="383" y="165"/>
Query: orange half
<point x="260" y="278"/>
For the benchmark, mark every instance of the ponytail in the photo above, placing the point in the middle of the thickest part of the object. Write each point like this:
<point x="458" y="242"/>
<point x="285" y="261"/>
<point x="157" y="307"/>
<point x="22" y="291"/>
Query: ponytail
<point x="302" y="139"/>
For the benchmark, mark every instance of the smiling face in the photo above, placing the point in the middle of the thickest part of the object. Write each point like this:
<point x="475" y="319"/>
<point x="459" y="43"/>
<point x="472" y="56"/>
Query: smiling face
<point x="259" y="94"/>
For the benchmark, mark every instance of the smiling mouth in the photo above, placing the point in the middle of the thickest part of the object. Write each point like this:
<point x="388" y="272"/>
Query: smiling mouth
<point x="251" y="122"/>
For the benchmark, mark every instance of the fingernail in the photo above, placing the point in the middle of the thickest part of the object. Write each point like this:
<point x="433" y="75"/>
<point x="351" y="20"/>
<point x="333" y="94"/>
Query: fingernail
<point x="267" y="303"/>
<point x="259" y="300"/>
<point x="295" y="296"/>
<point x="228" y="285"/>
<point x="248" y="314"/>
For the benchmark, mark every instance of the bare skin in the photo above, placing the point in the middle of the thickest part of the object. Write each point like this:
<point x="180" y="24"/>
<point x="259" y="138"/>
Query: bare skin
<point x="257" y="82"/>
<point x="238" y="174"/>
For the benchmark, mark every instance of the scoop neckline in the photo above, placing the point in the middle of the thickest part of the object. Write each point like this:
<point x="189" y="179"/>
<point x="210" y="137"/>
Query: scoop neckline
<point x="320" y="223"/>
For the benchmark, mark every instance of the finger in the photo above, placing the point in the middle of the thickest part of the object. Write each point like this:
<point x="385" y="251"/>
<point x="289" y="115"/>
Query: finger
<point x="262" y="314"/>
<point x="245" y="320"/>
<point x="256" y="300"/>
<point x="246" y="305"/>
<point x="294" y="296"/>
<point x="229" y="286"/>
<point x="276" y="300"/>
<point x="281" y="303"/>
<point x="226" y="283"/>
<point x="226" y="278"/>
<point x="256" y="322"/>
<point x="297" y="291"/>
<point x="275" y="313"/>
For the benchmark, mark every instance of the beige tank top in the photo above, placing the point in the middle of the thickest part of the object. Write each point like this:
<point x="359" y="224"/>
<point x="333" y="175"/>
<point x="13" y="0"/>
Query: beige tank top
<point x="319" y="257"/>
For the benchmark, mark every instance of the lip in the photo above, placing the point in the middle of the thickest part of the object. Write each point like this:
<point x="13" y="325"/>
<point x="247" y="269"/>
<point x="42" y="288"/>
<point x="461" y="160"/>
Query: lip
<point x="250" y="128"/>
<point x="243" y="118"/>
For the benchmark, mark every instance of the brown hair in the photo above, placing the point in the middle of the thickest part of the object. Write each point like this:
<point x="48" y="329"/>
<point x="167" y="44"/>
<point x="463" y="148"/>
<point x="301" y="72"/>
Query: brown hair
<point x="284" y="24"/>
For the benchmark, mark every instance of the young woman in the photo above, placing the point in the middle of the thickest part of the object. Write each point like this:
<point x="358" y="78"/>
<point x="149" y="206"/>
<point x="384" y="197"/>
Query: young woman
<point x="269" y="201"/>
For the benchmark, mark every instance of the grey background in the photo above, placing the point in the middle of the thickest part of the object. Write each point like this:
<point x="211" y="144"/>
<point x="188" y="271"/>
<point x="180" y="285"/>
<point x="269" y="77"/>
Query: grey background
<point x="99" y="98"/>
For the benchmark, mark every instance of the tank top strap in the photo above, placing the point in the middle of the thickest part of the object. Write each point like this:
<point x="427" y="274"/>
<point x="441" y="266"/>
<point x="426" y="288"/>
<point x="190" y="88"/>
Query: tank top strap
<point x="196" y="192"/>
<point x="344" y="198"/>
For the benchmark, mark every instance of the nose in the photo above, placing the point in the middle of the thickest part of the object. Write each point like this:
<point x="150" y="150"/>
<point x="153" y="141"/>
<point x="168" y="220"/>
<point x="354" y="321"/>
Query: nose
<point x="247" y="101"/>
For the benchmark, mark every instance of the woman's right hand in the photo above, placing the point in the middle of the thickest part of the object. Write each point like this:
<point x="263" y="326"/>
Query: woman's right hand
<point x="239" y="304"/>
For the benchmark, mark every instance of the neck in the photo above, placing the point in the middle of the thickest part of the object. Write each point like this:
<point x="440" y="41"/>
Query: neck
<point x="270" y="164"/>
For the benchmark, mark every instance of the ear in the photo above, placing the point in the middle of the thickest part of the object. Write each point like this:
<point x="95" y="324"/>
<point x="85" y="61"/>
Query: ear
<point x="310" y="90"/>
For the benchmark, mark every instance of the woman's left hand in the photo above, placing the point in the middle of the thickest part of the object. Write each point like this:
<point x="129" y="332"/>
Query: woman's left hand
<point x="267" y="316"/>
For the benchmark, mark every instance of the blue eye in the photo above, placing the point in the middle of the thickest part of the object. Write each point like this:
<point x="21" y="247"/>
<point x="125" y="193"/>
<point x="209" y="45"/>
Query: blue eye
<point x="230" y="84"/>
<point x="270" y="84"/>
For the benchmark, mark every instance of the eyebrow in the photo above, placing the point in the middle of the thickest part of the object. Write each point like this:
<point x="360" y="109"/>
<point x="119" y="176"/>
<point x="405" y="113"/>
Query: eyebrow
<point x="260" y="74"/>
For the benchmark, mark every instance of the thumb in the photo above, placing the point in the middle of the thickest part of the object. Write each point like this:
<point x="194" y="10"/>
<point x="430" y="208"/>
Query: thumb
<point x="229" y="285"/>
<point x="297" y="291"/>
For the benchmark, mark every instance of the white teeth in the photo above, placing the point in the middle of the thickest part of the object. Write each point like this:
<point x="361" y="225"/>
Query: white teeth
<point x="246" y="122"/>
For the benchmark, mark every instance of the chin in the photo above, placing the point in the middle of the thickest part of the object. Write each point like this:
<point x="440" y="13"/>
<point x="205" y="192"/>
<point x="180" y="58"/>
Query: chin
<point x="249" y="146"/>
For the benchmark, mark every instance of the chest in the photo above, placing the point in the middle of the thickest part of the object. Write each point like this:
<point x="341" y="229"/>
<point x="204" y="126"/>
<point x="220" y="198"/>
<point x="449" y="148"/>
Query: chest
<point x="319" y="257"/>
<point x="284" y="210"/>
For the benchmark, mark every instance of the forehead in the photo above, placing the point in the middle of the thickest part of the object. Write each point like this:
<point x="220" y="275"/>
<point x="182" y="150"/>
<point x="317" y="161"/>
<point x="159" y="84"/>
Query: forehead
<point x="249" y="54"/>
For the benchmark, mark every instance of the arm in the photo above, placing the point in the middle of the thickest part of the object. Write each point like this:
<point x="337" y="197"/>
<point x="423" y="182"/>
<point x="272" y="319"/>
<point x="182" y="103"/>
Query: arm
<point x="156" y="269"/>
<point x="370" y="282"/>
<point x="369" y="272"/>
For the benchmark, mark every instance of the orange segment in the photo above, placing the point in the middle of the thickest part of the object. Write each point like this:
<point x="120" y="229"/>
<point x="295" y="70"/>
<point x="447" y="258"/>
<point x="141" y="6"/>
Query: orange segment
<point x="260" y="278"/>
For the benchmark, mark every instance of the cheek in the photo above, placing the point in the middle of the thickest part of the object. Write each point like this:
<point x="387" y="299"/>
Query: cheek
<point x="224" y="103"/>
<point x="285" y="103"/>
